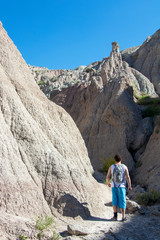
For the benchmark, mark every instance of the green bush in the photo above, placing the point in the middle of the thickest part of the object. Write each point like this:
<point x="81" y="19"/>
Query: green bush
<point x="41" y="83"/>
<point x="148" y="198"/>
<point x="151" y="111"/>
<point x="56" y="236"/>
<point x="106" y="164"/>
<point x="21" y="237"/>
<point x="40" y="235"/>
<point x="144" y="99"/>
<point x="44" y="223"/>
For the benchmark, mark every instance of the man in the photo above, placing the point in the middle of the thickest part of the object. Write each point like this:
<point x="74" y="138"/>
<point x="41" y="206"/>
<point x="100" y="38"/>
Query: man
<point x="119" y="173"/>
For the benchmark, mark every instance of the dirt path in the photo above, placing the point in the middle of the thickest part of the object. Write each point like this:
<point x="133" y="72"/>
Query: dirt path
<point x="137" y="227"/>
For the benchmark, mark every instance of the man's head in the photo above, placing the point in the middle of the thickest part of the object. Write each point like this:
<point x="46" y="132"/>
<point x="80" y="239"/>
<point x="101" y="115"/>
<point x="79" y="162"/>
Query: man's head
<point x="118" y="158"/>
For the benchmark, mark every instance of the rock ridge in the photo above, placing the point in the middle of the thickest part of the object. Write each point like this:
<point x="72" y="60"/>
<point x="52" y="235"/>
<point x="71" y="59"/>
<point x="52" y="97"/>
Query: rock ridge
<point x="146" y="59"/>
<point x="44" y="166"/>
<point x="106" y="108"/>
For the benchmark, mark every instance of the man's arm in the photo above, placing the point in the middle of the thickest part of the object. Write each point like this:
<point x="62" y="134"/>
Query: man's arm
<point x="108" y="177"/>
<point x="128" y="179"/>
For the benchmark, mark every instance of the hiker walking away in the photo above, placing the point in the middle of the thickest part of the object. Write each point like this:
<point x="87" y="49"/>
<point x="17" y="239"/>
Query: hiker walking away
<point x="118" y="173"/>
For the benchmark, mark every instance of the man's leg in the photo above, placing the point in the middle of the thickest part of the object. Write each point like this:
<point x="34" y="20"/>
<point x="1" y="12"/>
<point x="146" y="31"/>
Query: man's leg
<point x="123" y="211"/>
<point x="115" y="212"/>
<point x="114" y="209"/>
<point x="122" y="202"/>
<point x="114" y="203"/>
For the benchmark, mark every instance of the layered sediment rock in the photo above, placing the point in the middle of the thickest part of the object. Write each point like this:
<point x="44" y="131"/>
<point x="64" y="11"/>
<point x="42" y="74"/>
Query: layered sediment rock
<point x="104" y="109"/>
<point x="44" y="164"/>
<point x="146" y="59"/>
<point x="148" y="172"/>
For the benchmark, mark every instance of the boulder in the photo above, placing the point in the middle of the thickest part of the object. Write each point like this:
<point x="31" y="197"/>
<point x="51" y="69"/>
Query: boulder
<point x="77" y="230"/>
<point x="132" y="206"/>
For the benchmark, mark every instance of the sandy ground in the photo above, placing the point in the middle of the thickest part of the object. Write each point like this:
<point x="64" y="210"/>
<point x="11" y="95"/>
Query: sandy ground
<point x="101" y="227"/>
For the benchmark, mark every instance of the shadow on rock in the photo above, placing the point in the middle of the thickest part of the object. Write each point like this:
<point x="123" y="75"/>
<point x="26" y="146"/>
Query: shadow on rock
<point x="109" y="204"/>
<point x="69" y="206"/>
<point x="92" y="218"/>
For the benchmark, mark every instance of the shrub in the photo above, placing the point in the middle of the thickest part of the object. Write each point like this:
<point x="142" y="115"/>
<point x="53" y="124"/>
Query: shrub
<point x="21" y="237"/>
<point x="151" y="111"/>
<point x="56" y="236"/>
<point x="44" y="223"/>
<point x="148" y="198"/>
<point x="106" y="164"/>
<point x="41" y="83"/>
<point x="152" y="108"/>
<point x="143" y="99"/>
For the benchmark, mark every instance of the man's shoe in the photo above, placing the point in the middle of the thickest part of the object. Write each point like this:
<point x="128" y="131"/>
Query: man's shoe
<point x="124" y="219"/>
<point x="114" y="218"/>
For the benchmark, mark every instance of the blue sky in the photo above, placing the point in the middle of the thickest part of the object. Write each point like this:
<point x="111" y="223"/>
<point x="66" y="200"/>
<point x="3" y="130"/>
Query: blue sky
<point x="69" y="33"/>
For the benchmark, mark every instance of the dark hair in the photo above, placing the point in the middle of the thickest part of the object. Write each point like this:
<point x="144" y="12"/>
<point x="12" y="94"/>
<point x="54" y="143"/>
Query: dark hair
<point x="117" y="158"/>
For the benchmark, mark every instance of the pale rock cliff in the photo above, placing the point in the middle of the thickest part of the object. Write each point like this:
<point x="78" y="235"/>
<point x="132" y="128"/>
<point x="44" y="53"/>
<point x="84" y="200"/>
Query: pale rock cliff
<point x="104" y="107"/>
<point x="44" y="164"/>
<point x="146" y="59"/>
<point x="148" y="174"/>
<point x="52" y="81"/>
<point x="105" y="112"/>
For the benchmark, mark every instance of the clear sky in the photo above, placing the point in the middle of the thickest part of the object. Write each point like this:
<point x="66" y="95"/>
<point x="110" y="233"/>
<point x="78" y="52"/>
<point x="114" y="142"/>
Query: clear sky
<point x="69" y="33"/>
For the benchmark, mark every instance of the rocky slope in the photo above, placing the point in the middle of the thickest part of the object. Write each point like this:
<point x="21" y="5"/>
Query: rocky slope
<point x="104" y="109"/>
<point x="44" y="167"/>
<point x="51" y="82"/>
<point x="148" y="174"/>
<point x="146" y="59"/>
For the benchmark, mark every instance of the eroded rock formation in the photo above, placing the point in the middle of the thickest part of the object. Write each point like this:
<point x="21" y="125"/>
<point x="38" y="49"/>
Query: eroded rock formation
<point x="146" y="59"/>
<point x="104" y="108"/>
<point x="105" y="112"/>
<point x="44" y="164"/>
<point x="102" y="103"/>
<point x="148" y="172"/>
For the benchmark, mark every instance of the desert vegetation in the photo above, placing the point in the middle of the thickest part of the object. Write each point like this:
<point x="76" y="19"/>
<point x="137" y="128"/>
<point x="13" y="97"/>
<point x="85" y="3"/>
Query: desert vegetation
<point x="148" y="198"/>
<point x="46" y="223"/>
<point x="106" y="163"/>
